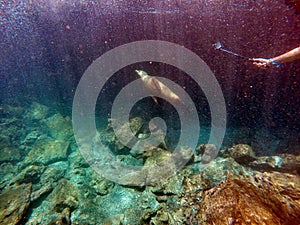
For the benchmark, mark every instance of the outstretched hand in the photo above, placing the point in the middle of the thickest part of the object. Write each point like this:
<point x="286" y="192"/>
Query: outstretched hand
<point x="262" y="62"/>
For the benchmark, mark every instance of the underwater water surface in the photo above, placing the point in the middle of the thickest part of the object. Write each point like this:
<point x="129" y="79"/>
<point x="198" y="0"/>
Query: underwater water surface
<point x="214" y="139"/>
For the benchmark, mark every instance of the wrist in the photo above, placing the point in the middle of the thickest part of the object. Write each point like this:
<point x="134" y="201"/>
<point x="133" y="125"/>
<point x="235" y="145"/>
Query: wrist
<point x="272" y="62"/>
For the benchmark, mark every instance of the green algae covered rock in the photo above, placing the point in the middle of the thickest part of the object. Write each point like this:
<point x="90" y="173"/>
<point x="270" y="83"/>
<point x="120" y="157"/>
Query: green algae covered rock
<point x="110" y="136"/>
<point x="172" y="185"/>
<point x="37" y="111"/>
<point x="30" y="174"/>
<point x="7" y="171"/>
<point x="14" y="203"/>
<point x="127" y="200"/>
<point x="215" y="172"/>
<point x="54" y="172"/>
<point x="241" y="153"/>
<point x="9" y="153"/>
<point x="58" y="205"/>
<point x="65" y="195"/>
<point x="59" y="127"/>
<point x="46" y="151"/>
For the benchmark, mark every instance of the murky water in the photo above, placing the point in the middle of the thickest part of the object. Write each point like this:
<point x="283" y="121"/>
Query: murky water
<point x="70" y="67"/>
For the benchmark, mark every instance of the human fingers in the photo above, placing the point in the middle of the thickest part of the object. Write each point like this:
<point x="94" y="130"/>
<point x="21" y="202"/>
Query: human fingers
<point x="260" y="60"/>
<point x="260" y="64"/>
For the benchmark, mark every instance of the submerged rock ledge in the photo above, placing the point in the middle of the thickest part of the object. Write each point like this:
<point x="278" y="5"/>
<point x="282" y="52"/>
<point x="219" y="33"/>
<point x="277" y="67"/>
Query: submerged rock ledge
<point x="272" y="198"/>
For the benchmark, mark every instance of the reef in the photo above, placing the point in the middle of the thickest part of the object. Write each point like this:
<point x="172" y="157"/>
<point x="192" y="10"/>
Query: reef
<point x="45" y="180"/>
<point x="14" y="203"/>
<point x="268" y="198"/>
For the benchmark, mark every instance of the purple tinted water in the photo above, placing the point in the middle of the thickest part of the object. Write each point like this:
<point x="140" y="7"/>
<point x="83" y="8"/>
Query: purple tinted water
<point x="47" y="45"/>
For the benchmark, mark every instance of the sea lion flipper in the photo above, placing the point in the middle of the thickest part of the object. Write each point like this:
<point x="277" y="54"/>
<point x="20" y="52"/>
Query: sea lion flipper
<point x="155" y="100"/>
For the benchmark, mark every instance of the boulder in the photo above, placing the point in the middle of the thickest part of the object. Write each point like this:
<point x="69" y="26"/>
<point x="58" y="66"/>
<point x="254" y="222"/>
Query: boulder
<point x="58" y="205"/>
<point x="47" y="151"/>
<point x="9" y="153"/>
<point x="14" y="203"/>
<point x="270" y="198"/>
<point x="112" y="137"/>
<point x="59" y="128"/>
<point x="37" y="111"/>
<point x="241" y="153"/>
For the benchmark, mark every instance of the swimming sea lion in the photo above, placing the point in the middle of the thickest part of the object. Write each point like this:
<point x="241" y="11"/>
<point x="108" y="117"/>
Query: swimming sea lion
<point x="156" y="87"/>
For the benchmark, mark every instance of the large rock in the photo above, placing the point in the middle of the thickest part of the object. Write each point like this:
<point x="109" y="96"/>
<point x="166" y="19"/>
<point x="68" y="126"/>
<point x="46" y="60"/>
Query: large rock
<point x="268" y="163"/>
<point x="37" y="111"/>
<point x="182" y="206"/>
<point x="286" y="163"/>
<point x="47" y="151"/>
<point x="14" y="203"/>
<point x="205" y="153"/>
<point x="7" y="171"/>
<point x="241" y="153"/>
<point x="172" y="185"/>
<point x="217" y="170"/>
<point x="58" y="206"/>
<point x="291" y="163"/>
<point x="65" y="195"/>
<point x="59" y="127"/>
<point x="111" y="136"/>
<point x="31" y="138"/>
<point x="48" y="179"/>
<point x="9" y="153"/>
<point x="271" y="198"/>
<point x="124" y="201"/>
<point x="54" y="172"/>
<point x="98" y="184"/>
<point x="30" y="174"/>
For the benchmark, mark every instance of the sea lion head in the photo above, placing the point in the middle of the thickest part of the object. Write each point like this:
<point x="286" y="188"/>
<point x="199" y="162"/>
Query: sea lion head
<point x="141" y="73"/>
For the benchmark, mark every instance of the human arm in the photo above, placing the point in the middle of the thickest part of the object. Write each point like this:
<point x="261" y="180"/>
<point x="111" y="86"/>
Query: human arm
<point x="284" y="58"/>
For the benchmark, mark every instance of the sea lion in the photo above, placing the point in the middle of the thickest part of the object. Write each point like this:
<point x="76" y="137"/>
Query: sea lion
<point x="156" y="87"/>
